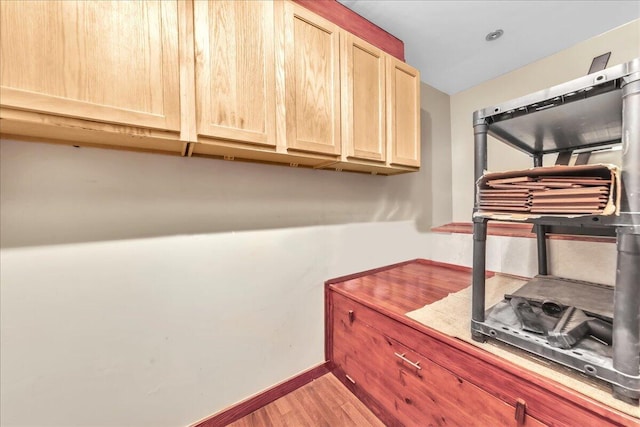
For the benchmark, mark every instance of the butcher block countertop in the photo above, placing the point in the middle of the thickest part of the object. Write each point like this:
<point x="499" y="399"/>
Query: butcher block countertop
<point x="415" y="287"/>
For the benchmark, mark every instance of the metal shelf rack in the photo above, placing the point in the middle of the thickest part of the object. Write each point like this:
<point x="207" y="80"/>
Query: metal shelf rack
<point x="579" y="116"/>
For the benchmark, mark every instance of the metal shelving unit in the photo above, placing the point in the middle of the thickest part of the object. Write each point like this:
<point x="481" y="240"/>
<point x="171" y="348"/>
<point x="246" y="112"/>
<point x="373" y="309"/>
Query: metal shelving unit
<point x="579" y="116"/>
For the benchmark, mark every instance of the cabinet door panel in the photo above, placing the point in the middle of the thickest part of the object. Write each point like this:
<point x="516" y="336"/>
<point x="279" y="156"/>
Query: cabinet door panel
<point x="235" y="74"/>
<point x="108" y="61"/>
<point x="363" y="100"/>
<point x="403" y="111"/>
<point x="312" y="82"/>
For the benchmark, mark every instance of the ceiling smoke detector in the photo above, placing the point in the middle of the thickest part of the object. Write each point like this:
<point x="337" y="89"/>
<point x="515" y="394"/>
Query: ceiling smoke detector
<point x="493" y="35"/>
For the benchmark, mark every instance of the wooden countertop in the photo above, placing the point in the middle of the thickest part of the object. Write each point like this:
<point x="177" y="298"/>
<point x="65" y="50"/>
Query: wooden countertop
<point x="400" y="288"/>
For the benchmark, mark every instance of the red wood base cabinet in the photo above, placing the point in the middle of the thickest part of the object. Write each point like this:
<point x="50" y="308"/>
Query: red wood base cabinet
<point x="410" y="375"/>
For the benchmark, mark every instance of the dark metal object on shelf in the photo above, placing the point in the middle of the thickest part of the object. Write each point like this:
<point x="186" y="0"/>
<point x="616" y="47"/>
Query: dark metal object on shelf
<point x="574" y="325"/>
<point x="552" y="308"/>
<point x="590" y="231"/>
<point x="593" y="298"/>
<point x="528" y="318"/>
<point x="581" y="116"/>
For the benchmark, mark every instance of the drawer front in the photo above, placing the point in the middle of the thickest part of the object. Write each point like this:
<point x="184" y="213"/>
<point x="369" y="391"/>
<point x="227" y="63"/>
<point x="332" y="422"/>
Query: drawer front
<point x="447" y="398"/>
<point x="411" y="388"/>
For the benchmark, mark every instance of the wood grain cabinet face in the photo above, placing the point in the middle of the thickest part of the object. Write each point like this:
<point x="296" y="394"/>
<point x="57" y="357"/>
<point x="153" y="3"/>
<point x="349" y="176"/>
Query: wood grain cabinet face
<point x="106" y="61"/>
<point x="407" y="387"/>
<point x="312" y="81"/>
<point x="403" y="112"/>
<point x="363" y="100"/>
<point x="257" y="80"/>
<point x="235" y="71"/>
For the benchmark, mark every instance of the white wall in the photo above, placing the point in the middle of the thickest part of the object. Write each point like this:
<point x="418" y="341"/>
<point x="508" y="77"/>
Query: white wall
<point x="624" y="45"/>
<point x="436" y="157"/>
<point x="167" y="330"/>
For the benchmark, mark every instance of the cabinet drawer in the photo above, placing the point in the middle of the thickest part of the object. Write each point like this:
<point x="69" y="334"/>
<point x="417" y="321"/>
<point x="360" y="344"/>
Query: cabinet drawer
<point x="409" y="386"/>
<point x="435" y="395"/>
<point x="545" y="403"/>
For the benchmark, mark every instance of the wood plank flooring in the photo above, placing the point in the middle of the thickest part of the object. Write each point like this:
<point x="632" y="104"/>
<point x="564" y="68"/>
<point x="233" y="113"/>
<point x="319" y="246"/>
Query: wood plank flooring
<point x="323" y="402"/>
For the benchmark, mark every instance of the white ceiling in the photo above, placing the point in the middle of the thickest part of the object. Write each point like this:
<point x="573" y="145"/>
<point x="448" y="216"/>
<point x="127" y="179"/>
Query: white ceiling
<point x="445" y="40"/>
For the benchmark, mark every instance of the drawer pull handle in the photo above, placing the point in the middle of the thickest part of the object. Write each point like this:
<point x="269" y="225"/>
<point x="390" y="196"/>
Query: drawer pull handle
<point x="351" y="316"/>
<point x="404" y="359"/>
<point x="521" y="411"/>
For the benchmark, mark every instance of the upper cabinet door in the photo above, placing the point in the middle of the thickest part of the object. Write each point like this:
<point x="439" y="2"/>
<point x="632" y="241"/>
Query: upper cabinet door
<point x="363" y="100"/>
<point x="235" y="71"/>
<point x="312" y="81"/>
<point x="403" y="112"/>
<point x="108" y="61"/>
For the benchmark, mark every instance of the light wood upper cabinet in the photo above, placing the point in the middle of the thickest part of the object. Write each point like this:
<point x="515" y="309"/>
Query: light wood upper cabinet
<point x="363" y="100"/>
<point x="312" y="81"/>
<point x="235" y="71"/>
<point x="266" y="81"/>
<point x="106" y="61"/>
<point x="403" y="113"/>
